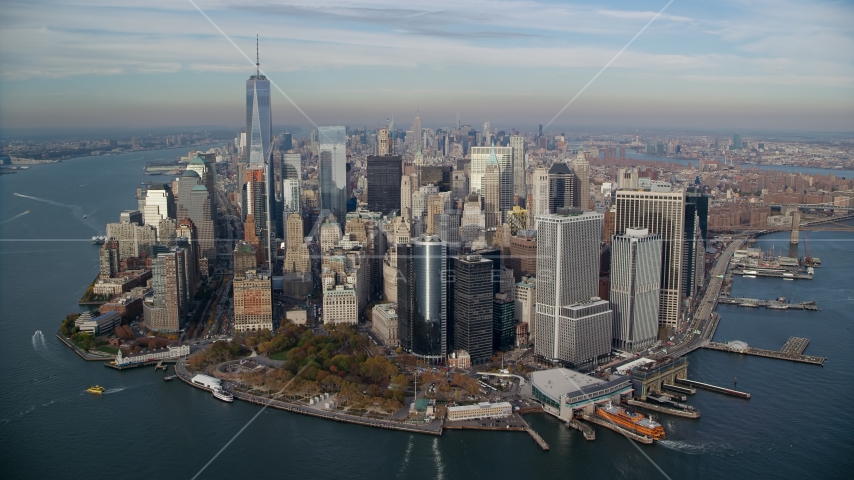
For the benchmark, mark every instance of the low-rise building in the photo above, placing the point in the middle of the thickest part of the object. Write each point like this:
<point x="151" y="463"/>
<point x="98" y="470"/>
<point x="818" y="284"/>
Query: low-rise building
<point x="167" y="353"/>
<point x="459" y="359"/>
<point x="480" y="411"/>
<point x="297" y="316"/>
<point x="563" y="391"/>
<point x="384" y="323"/>
<point x="100" y="325"/>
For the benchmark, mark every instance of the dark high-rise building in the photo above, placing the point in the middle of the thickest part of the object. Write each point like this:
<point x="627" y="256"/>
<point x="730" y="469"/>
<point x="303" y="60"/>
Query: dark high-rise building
<point x="696" y="196"/>
<point x="287" y="141"/>
<point x="439" y="175"/>
<point x="422" y="298"/>
<point x="503" y="322"/>
<point x="562" y="191"/>
<point x="383" y="176"/>
<point x="472" y="306"/>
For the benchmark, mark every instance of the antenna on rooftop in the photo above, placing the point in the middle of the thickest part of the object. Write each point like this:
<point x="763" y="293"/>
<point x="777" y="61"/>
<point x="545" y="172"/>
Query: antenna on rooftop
<point x="257" y="62"/>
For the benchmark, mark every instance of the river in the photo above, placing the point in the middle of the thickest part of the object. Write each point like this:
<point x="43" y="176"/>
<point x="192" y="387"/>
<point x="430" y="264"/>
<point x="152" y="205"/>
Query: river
<point x="797" y="424"/>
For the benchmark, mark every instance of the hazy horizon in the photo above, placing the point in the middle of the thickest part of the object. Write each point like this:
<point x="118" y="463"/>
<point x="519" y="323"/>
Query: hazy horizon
<point x="732" y="66"/>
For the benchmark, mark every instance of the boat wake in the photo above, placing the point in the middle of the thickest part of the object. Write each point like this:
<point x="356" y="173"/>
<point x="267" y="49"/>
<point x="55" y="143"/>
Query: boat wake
<point x="114" y="390"/>
<point x="405" y="458"/>
<point x="38" y="340"/>
<point x="15" y="217"/>
<point x="76" y="210"/>
<point x="696" y="449"/>
<point x="440" y="467"/>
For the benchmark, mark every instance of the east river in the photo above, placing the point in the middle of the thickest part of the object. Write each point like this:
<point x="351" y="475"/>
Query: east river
<point x="798" y="424"/>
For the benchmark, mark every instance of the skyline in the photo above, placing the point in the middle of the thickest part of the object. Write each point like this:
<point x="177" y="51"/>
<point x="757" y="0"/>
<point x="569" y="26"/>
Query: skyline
<point x="735" y="66"/>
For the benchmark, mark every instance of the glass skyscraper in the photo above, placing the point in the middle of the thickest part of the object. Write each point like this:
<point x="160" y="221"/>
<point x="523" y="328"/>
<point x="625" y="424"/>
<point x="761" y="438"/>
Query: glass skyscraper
<point x="333" y="170"/>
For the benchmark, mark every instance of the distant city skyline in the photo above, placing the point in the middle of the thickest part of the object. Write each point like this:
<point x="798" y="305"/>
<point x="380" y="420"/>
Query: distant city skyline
<point x="728" y="66"/>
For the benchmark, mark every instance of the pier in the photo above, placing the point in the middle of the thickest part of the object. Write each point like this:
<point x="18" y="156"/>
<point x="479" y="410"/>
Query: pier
<point x="586" y="430"/>
<point x="792" y="350"/>
<point x="678" y="389"/>
<point x="773" y="273"/>
<point x="771" y="304"/>
<point x="613" y="426"/>
<point x="682" y="411"/>
<point x="714" y="388"/>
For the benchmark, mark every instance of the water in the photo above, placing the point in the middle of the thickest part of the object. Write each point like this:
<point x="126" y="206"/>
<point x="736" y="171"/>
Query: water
<point x="797" y="424"/>
<point x="783" y="168"/>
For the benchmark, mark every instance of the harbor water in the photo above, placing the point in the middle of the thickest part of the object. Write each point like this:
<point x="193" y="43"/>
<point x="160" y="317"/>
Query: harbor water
<point x="798" y="423"/>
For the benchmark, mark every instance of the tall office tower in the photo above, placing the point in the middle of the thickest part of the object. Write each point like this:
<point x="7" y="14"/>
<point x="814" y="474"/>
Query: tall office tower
<point x="662" y="213"/>
<point x="503" y="322"/>
<point x="627" y="178"/>
<point x="406" y="183"/>
<point x="449" y="230"/>
<point x="581" y="168"/>
<point x="330" y="235"/>
<point x="695" y="195"/>
<point x="134" y="240"/>
<point x="635" y="288"/>
<point x="253" y="302"/>
<point x="332" y="175"/>
<point x="503" y="156"/>
<point x="287" y="141"/>
<point x="297" y="256"/>
<point x="199" y="213"/>
<point x="384" y="183"/>
<point x="166" y="229"/>
<point x="491" y="192"/>
<point x="257" y="228"/>
<point x="459" y="184"/>
<point x="472" y="312"/>
<point x="259" y="120"/>
<point x="523" y="255"/>
<point x="244" y="258"/>
<point x="131" y="216"/>
<point x="736" y="142"/>
<point x="108" y="258"/>
<point x="159" y="204"/>
<point x="398" y="234"/>
<point x="525" y="297"/>
<point x="562" y="184"/>
<point x="417" y="131"/>
<point x="188" y="180"/>
<point x="291" y="184"/>
<point x="693" y="246"/>
<point x="207" y="176"/>
<point x="436" y="205"/>
<point x="567" y="275"/>
<point x="384" y="145"/>
<point x="167" y="311"/>
<point x="540" y="195"/>
<point x="486" y="136"/>
<point x="422" y="298"/>
<point x="520" y="187"/>
<point x="187" y="238"/>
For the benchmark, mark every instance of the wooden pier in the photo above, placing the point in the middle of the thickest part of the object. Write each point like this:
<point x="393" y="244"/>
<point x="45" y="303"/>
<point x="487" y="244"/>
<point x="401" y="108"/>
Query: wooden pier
<point x="778" y="273"/>
<point x="792" y="350"/>
<point x="586" y="430"/>
<point x="679" y="412"/>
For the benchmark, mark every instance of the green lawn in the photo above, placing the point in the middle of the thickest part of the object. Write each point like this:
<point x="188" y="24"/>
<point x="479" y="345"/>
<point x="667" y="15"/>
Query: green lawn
<point x="279" y="356"/>
<point x="108" y="349"/>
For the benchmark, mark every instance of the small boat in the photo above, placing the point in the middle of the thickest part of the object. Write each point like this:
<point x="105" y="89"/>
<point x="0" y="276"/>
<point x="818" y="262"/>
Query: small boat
<point x="748" y="276"/>
<point x="84" y="216"/>
<point x="222" y="395"/>
<point x="96" y="389"/>
<point x="169" y="378"/>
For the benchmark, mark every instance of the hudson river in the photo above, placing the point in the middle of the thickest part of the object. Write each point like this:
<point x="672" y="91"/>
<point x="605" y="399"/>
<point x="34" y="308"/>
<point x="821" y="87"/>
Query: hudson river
<point x="798" y="424"/>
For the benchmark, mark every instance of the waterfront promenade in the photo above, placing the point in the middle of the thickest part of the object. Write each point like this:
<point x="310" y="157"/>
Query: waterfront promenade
<point x="432" y="428"/>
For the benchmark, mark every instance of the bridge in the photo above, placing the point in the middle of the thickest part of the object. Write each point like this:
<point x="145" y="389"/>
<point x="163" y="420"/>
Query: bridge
<point x="811" y="206"/>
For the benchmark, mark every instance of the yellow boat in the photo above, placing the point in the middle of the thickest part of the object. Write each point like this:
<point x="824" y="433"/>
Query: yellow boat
<point x="96" y="389"/>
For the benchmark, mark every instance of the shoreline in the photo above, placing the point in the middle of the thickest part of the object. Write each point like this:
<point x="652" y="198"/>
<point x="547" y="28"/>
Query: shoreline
<point x="182" y="373"/>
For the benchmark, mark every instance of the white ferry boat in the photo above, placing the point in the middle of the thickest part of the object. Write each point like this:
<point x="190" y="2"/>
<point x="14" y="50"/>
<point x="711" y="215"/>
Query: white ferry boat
<point x="223" y="395"/>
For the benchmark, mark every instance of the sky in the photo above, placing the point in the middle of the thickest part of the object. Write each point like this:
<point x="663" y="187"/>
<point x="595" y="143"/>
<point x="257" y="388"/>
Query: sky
<point x="726" y="65"/>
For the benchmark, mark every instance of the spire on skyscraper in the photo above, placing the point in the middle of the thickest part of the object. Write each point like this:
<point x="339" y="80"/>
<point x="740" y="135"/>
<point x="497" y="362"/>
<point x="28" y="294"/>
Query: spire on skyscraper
<point x="257" y="61"/>
<point x="493" y="159"/>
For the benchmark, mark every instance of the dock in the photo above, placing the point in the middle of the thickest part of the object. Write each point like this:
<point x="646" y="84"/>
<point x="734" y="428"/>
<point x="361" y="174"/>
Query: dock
<point x="681" y="411"/>
<point x="714" y="388"/>
<point x="678" y="389"/>
<point x="779" y="273"/>
<point x="792" y="350"/>
<point x="770" y="304"/>
<point x="537" y="438"/>
<point x="613" y="426"/>
<point x="586" y="430"/>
